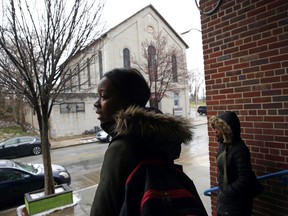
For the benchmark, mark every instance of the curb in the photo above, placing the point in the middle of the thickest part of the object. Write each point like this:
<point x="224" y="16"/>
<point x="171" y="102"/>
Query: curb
<point x="59" y="145"/>
<point x="75" y="144"/>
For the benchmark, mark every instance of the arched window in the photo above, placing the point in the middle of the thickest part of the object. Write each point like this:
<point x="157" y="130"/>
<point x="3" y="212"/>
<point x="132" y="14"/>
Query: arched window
<point x="100" y="64"/>
<point x="88" y="72"/>
<point x="126" y="58"/>
<point x="176" y="99"/>
<point x="79" y="76"/>
<point x="174" y="68"/>
<point x="152" y="63"/>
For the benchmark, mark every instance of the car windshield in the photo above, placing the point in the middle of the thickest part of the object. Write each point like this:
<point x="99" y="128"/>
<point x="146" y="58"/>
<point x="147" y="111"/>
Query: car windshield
<point x="28" y="167"/>
<point x="4" y="142"/>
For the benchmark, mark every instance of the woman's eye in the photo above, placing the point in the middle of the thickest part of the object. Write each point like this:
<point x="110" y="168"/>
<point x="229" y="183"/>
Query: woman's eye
<point x="102" y="97"/>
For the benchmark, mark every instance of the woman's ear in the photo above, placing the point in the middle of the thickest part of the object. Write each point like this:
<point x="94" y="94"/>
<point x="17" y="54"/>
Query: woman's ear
<point x="125" y="104"/>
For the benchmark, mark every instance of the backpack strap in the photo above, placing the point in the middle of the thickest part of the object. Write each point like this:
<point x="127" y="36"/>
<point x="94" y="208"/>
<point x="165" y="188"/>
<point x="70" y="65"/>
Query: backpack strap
<point x="152" y="161"/>
<point x="160" y="187"/>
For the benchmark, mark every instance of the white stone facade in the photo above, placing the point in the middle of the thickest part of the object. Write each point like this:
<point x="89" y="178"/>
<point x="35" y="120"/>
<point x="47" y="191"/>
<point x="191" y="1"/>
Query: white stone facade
<point x="129" y="34"/>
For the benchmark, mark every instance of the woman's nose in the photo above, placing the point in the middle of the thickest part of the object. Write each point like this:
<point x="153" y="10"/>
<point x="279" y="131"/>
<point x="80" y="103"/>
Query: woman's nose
<point x="96" y="104"/>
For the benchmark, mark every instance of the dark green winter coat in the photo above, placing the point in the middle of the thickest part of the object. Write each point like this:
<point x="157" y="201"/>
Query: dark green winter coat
<point x="137" y="133"/>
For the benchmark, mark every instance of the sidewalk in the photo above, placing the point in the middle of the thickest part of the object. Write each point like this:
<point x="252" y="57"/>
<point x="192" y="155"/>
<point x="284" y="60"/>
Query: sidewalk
<point x="61" y="143"/>
<point x="197" y="170"/>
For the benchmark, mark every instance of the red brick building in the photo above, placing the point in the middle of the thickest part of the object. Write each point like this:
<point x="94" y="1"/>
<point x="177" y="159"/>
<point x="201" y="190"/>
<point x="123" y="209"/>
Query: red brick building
<point x="245" y="47"/>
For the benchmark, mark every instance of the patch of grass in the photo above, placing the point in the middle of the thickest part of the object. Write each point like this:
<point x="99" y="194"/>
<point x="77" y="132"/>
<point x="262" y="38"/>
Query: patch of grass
<point x="13" y="131"/>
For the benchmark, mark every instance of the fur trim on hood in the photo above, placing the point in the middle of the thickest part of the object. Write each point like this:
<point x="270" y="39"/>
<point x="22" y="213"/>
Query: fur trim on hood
<point x="229" y="125"/>
<point x="153" y="126"/>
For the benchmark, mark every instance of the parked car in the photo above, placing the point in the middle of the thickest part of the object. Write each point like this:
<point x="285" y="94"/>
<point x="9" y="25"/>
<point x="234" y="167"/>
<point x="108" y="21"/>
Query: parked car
<point x="103" y="136"/>
<point x="20" y="146"/>
<point x="18" y="178"/>
<point x="202" y="110"/>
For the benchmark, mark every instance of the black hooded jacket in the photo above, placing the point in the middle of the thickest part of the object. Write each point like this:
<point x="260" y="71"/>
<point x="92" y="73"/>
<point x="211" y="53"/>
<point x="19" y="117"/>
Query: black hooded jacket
<point x="236" y="198"/>
<point x="137" y="133"/>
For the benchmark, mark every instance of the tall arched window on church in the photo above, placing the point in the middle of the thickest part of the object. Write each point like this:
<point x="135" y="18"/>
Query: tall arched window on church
<point x="100" y="64"/>
<point x="152" y="63"/>
<point x="174" y="68"/>
<point x="126" y="58"/>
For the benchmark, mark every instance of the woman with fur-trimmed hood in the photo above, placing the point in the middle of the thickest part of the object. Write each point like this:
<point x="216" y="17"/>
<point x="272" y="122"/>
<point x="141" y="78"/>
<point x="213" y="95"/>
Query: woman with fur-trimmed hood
<point x="137" y="133"/>
<point x="236" y="178"/>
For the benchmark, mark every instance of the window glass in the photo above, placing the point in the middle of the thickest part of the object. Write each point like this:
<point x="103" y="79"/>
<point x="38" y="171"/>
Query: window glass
<point x="26" y="139"/>
<point x="80" y="107"/>
<point x="88" y="72"/>
<point x="176" y="99"/>
<point x="12" y="141"/>
<point x="27" y="167"/>
<point x="79" y="76"/>
<point x="100" y="64"/>
<point x="71" y="80"/>
<point x="152" y="63"/>
<point x="10" y="174"/>
<point x="174" y="68"/>
<point x="126" y="58"/>
<point x="153" y="100"/>
<point x="72" y="107"/>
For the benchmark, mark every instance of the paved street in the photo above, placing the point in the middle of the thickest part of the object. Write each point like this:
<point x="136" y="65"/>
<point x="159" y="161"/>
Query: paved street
<point x="194" y="158"/>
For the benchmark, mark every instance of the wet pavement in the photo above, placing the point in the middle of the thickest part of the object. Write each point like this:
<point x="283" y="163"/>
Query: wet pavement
<point x="195" y="165"/>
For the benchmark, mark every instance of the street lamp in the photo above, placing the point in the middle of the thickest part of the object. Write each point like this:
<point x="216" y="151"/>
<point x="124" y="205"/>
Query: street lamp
<point x="192" y="29"/>
<point x="196" y="98"/>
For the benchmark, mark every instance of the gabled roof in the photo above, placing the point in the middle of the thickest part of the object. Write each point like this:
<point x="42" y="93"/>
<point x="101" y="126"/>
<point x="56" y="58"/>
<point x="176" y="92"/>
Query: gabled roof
<point x="152" y="7"/>
<point x="104" y="35"/>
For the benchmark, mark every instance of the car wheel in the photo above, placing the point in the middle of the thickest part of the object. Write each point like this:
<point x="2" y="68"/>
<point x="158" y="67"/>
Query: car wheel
<point x="109" y="138"/>
<point x="56" y="183"/>
<point x="36" y="150"/>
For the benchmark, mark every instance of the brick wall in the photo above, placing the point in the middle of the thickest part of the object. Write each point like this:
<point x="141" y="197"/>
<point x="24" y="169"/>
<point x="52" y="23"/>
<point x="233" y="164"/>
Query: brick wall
<point x="245" y="47"/>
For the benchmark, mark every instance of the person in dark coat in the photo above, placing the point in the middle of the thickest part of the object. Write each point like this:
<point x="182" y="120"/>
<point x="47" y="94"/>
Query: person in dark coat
<point x="137" y="132"/>
<point x="236" y="178"/>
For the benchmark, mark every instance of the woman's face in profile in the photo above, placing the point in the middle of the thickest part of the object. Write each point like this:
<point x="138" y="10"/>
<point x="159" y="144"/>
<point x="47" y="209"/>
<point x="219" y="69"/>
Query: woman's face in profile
<point x="218" y="134"/>
<point x="109" y="100"/>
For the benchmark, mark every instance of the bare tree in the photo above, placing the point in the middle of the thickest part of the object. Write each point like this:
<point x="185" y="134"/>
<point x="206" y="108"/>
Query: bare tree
<point x="35" y="45"/>
<point x="2" y="104"/>
<point x="196" y="79"/>
<point x="164" y="64"/>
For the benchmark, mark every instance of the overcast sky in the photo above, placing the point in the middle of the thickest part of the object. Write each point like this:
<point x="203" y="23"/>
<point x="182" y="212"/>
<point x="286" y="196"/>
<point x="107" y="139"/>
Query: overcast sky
<point x="182" y="15"/>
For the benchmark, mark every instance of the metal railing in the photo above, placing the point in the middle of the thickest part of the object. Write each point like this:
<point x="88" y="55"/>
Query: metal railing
<point x="260" y="178"/>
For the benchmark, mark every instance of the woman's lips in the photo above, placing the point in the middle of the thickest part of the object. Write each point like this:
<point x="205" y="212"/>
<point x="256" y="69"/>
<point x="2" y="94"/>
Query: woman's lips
<point x="99" y="115"/>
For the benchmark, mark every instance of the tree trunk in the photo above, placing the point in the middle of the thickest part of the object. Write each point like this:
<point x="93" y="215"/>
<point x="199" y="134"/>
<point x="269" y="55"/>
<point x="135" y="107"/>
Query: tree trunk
<point x="21" y="114"/>
<point x="45" y="143"/>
